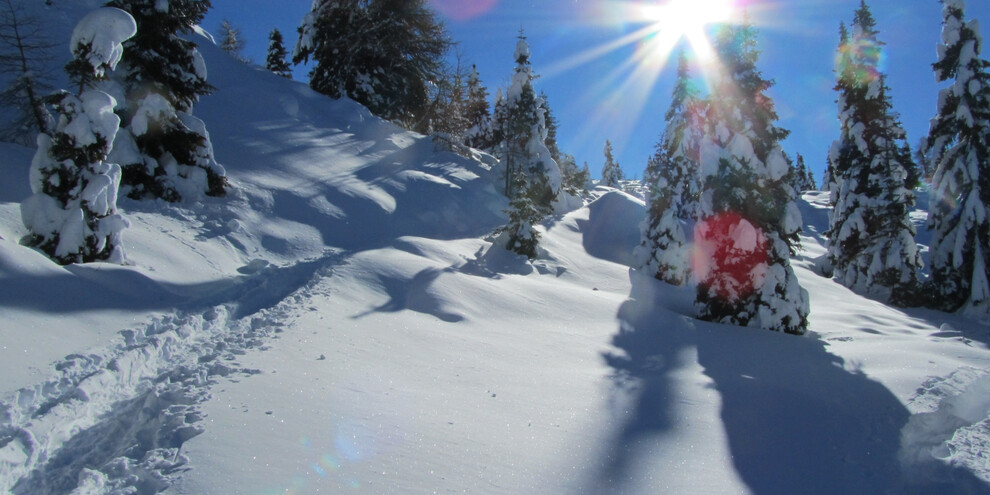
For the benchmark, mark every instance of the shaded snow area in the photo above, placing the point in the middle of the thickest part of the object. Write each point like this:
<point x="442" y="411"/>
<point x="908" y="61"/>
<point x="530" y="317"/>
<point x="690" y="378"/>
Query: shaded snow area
<point x="343" y="323"/>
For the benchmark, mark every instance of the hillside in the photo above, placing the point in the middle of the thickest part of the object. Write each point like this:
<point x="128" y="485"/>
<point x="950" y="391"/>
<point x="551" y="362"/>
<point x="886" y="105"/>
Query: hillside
<point x="343" y="321"/>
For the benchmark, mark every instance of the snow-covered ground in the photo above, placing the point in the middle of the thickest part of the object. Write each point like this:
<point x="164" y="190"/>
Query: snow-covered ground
<point x="342" y="322"/>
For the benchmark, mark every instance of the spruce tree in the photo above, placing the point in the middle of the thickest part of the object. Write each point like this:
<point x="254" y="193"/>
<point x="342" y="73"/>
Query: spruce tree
<point x="164" y="150"/>
<point x="871" y="246"/>
<point x="802" y="180"/>
<point x="959" y="145"/>
<point x="479" y="118"/>
<point x="673" y="185"/>
<point x="845" y="81"/>
<point x="276" y="59"/>
<point x="533" y="179"/>
<point x="611" y="171"/>
<point x="72" y="214"/>
<point x="575" y="180"/>
<point x="384" y="54"/>
<point x="749" y="220"/>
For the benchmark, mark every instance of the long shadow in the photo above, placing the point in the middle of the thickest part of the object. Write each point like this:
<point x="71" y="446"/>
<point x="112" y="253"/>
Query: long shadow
<point x="798" y="421"/>
<point x="413" y="294"/>
<point x="81" y="288"/>
<point x="796" y="418"/>
<point x="650" y="338"/>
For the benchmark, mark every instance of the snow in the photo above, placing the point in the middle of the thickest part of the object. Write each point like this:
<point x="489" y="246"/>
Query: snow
<point x="103" y="31"/>
<point x="342" y="322"/>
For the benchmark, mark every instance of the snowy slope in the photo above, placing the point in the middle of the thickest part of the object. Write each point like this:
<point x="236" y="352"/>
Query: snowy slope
<point x="343" y="322"/>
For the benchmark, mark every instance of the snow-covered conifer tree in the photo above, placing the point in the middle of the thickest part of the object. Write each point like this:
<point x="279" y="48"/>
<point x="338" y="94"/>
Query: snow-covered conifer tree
<point x="801" y="179"/>
<point x="749" y="220"/>
<point x="959" y="144"/>
<point x="575" y="180"/>
<point x="72" y="213"/>
<point x="871" y="246"/>
<point x="384" y="54"/>
<point x="533" y="179"/>
<point x="611" y="171"/>
<point x="276" y="60"/>
<point x="845" y="78"/>
<point x="674" y="183"/>
<point x="479" y="118"/>
<point x="164" y="150"/>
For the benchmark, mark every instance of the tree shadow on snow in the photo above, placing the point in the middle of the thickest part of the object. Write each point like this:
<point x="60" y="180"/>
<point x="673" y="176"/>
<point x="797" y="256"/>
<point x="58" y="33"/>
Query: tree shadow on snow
<point x="413" y="294"/>
<point x="651" y="339"/>
<point x="796" y="420"/>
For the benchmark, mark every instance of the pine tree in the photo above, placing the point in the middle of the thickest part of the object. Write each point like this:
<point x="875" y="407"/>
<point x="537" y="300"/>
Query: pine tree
<point x="845" y="81"/>
<point x="164" y="150"/>
<point x="871" y="246"/>
<point x="611" y="171"/>
<point x="802" y="180"/>
<point x="575" y="180"/>
<point x="479" y="133"/>
<point x="231" y="40"/>
<point x="673" y="183"/>
<point x="448" y="114"/>
<point x="72" y="213"/>
<point x="749" y="220"/>
<point x="276" y="59"/>
<point x="959" y="146"/>
<point x="383" y="54"/>
<point x="551" y="123"/>
<point x="24" y="56"/>
<point x="533" y="179"/>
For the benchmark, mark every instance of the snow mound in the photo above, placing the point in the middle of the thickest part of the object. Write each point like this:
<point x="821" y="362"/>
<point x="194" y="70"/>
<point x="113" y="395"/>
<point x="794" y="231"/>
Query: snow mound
<point x="612" y="229"/>
<point x="951" y="427"/>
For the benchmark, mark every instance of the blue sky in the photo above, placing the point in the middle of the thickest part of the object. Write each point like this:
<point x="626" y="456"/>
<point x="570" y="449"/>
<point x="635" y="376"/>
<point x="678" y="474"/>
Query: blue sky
<point x="608" y="97"/>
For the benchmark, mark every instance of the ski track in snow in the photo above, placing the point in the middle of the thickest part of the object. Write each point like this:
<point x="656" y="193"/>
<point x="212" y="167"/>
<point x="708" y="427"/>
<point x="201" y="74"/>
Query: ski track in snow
<point x="115" y="419"/>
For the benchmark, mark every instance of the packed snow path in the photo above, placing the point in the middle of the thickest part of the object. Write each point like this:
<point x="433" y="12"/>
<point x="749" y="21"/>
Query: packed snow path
<point x="116" y="419"/>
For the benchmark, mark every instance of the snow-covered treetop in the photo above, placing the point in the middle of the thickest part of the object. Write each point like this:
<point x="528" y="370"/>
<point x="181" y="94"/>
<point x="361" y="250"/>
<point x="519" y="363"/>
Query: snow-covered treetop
<point x="99" y="36"/>
<point x="521" y="54"/>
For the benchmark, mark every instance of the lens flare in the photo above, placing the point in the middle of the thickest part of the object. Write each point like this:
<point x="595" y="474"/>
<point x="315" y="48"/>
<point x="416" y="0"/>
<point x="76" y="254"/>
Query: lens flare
<point x="730" y="255"/>
<point x="463" y="10"/>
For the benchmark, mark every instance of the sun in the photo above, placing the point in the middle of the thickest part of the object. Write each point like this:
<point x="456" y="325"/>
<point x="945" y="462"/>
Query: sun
<point x="688" y="19"/>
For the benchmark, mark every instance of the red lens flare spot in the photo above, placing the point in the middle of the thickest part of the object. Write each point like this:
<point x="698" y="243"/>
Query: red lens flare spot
<point x="463" y="10"/>
<point x="729" y="256"/>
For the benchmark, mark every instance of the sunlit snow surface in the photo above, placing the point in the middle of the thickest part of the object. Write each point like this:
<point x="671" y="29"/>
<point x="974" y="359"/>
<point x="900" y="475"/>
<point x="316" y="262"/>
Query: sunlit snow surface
<point x="342" y="323"/>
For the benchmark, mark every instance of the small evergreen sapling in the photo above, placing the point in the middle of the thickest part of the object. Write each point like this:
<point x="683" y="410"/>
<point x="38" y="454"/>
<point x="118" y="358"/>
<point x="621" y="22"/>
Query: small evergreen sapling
<point x="276" y="60"/>
<point x="611" y="171"/>
<point x="479" y="118"/>
<point x="72" y="215"/>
